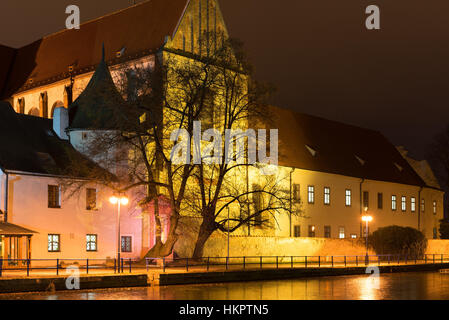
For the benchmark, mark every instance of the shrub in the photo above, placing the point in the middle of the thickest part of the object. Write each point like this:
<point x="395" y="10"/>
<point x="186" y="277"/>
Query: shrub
<point x="398" y="240"/>
<point x="444" y="229"/>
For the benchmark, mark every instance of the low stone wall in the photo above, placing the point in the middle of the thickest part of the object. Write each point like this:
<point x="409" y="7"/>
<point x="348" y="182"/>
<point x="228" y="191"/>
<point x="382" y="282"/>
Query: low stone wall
<point x="216" y="246"/>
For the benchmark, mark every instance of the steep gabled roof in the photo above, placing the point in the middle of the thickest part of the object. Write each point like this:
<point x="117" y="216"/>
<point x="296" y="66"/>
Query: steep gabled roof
<point x="339" y="148"/>
<point x="29" y="144"/>
<point x="140" y="29"/>
<point x="97" y="105"/>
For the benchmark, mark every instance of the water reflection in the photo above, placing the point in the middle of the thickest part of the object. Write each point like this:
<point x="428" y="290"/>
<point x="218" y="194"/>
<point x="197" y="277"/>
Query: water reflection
<point x="431" y="285"/>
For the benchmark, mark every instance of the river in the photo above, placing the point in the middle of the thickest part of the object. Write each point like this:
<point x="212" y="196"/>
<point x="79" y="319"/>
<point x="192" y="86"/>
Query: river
<point x="415" y="285"/>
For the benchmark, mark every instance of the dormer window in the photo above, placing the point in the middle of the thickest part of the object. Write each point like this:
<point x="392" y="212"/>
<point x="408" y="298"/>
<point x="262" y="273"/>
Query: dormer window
<point x="311" y="150"/>
<point x="398" y="167"/>
<point x="362" y="162"/>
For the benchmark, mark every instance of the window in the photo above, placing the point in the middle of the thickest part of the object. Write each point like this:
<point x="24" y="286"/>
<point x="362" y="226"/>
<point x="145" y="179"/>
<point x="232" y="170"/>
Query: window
<point x="311" y="194"/>
<point x="297" y="231"/>
<point x="341" y="232"/>
<point x="327" y="195"/>
<point x="380" y="201"/>
<point x="348" y="198"/>
<point x="353" y="236"/>
<point x="413" y="204"/>
<point x="393" y="202"/>
<point x="403" y="204"/>
<point x="435" y="236"/>
<point x="422" y="205"/>
<point x="434" y="207"/>
<point x="311" y="231"/>
<point x="91" y="242"/>
<point x="296" y="195"/>
<point x="53" y="243"/>
<point x="91" y="199"/>
<point x="127" y="244"/>
<point x="54" y="197"/>
<point x="365" y="199"/>
<point x="258" y="205"/>
<point x="327" y="231"/>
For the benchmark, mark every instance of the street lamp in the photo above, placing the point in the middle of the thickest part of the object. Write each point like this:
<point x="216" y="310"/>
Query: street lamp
<point x="367" y="219"/>
<point x="118" y="201"/>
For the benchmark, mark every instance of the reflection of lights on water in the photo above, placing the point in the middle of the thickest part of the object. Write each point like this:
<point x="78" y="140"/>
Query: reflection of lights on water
<point x="369" y="287"/>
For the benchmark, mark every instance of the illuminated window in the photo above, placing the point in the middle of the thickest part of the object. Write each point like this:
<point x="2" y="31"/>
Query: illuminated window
<point x="296" y="194"/>
<point x="348" y="198"/>
<point x="380" y="201"/>
<point x="434" y="207"/>
<point x="127" y="244"/>
<point x="54" y="243"/>
<point x="327" y="231"/>
<point x="353" y="236"/>
<point x="297" y="231"/>
<point x="311" y="231"/>
<point x="423" y="206"/>
<point x="91" y="199"/>
<point x="413" y="204"/>
<point x="54" y="196"/>
<point x="91" y="242"/>
<point x="327" y="195"/>
<point x="393" y="202"/>
<point x="341" y="232"/>
<point x="311" y="194"/>
<point x="403" y="204"/>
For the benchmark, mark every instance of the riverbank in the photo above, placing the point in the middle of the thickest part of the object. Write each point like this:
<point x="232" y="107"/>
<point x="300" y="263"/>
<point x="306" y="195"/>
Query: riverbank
<point x="144" y="279"/>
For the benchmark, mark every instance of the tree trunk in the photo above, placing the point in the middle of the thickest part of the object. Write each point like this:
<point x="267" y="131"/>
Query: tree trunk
<point x="206" y="229"/>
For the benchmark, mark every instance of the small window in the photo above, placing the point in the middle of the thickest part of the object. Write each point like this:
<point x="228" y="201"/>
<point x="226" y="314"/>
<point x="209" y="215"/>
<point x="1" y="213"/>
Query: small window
<point x="365" y="199"/>
<point x="353" y="236"/>
<point x="403" y="204"/>
<point x="423" y="206"/>
<point x="126" y="244"/>
<point x="311" y="231"/>
<point x="434" y="207"/>
<point x="54" y="196"/>
<point x="91" y="242"/>
<point x="393" y="203"/>
<point x="327" y="231"/>
<point x="435" y="236"/>
<point x="297" y="231"/>
<point x="341" y="232"/>
<point x="327" y="195"/>
<point x="296" y="194"/>
<point x="311" y="194"/>
<point x="348" y="199"/>
<point x="413" y="204"/>
<point x="54" y="243"/>
<point x="380" y="201"/>
<point x="91" y="199"/>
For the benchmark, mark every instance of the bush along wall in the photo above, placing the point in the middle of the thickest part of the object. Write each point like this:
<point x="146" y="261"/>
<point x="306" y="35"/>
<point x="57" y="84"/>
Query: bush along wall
<point x="398" y="240"/>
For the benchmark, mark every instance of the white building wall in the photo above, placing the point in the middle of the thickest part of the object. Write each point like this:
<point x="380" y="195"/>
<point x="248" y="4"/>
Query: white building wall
<point x="28" y="207"/>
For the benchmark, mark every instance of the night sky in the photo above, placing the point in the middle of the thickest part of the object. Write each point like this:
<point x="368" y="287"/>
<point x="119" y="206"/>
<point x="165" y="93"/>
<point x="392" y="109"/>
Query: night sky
<point x="319" y="54"/>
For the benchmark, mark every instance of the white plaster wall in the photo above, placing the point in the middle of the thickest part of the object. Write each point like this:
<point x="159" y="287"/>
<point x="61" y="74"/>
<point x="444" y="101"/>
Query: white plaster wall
<point x="28" y="207"/>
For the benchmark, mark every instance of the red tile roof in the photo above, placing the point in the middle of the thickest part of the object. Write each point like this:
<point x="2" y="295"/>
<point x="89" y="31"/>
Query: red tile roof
<point x="340" y="149"/>
<point x="140" y="29"/>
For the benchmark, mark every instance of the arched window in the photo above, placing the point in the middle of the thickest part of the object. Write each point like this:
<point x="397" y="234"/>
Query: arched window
<point x="57" y="104"/>
<point x="34" y="112"/>
<point x="43" y="104"/>
<point x="20" y="105"/>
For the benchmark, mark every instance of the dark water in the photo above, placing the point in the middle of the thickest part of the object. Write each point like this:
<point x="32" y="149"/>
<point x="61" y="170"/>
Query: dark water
<point x="423" y="285"/>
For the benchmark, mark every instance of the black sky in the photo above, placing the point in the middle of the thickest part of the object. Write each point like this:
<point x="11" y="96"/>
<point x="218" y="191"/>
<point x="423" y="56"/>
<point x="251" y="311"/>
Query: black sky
<point x="319" y="55"/>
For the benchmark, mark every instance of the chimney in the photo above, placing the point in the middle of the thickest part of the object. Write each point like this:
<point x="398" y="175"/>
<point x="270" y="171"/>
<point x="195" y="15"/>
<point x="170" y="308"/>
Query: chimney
<point x="61" y="122"/>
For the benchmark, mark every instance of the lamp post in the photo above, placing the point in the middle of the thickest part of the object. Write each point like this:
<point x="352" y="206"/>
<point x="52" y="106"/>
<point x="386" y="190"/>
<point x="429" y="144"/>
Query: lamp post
<point x="118" y="201"/>
<point x="367" y="219"/>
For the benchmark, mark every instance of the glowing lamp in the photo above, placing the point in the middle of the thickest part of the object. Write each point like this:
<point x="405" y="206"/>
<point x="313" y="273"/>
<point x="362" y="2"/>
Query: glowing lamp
<point x="113" y="200"/>
<point x="367" y="218"/>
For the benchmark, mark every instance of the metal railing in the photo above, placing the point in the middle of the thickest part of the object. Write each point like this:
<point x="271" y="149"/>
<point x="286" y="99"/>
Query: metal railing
<point x="56" y="266"/>
<point x="277" y="262"/>
<point x="19" y="267"/>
